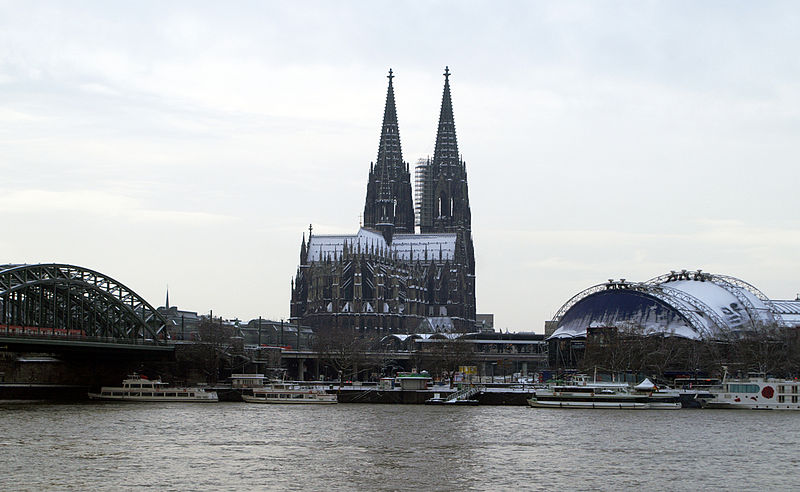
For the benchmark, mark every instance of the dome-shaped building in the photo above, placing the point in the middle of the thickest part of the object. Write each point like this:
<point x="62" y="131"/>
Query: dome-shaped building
<point x="689" y="304"/>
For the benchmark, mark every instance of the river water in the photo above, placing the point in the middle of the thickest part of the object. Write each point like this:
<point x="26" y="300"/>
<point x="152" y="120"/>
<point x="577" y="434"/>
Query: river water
<point x="238" y="446"/>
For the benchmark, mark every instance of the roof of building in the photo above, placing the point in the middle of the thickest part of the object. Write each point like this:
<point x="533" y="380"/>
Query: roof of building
<point x="789" y="310"/>
<point x="685" y="304"/>
<point x="407" y="247"/>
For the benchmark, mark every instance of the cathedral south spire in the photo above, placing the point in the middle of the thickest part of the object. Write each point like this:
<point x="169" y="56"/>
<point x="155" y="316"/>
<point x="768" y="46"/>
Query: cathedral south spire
<point x="389" y="207"/>
<point x="445" y="196"/>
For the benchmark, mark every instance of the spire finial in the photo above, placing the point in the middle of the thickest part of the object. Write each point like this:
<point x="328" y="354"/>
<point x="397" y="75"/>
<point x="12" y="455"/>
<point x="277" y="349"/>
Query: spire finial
<point x="446" y="73"/>
<point x="390" y="76"/>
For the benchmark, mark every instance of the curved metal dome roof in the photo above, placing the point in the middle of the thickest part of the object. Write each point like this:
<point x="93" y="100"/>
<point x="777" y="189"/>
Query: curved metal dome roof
<point x="691" y="304"/>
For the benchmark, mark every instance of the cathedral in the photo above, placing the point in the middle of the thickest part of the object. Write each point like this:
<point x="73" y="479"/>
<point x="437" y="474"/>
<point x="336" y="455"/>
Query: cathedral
<point x="387" y="278"/>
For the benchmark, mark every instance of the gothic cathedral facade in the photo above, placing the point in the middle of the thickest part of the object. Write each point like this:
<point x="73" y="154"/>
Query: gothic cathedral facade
<point x="387" y="278"/>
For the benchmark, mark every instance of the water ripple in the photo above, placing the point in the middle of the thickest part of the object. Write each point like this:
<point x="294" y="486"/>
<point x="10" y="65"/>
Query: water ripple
<point x="390" y="447"/>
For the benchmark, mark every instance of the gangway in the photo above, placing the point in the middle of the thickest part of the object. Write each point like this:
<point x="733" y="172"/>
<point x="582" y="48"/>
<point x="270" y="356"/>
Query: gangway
<point x="462" y="397"/>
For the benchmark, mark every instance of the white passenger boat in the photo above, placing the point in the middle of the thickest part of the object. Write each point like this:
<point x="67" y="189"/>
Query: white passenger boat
<point x="585" y="394"/>
<point x="755" y="393"/>
<point x="139" y="388"/>
<point x="291" y="394"/>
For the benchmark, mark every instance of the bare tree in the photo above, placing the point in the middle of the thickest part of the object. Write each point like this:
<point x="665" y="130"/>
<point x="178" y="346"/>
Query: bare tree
<point x="768" y="350"/>
<point x="342" y="349"/>
<point x="214" y="345"/>
<point x="445" y="356"/>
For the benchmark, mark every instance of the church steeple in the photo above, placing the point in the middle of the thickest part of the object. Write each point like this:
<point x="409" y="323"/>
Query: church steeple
<point x="389" y="148"/>
<point x="445" y="203"/>
<point x="446" y="150"/>
<point x="389" y="206"/>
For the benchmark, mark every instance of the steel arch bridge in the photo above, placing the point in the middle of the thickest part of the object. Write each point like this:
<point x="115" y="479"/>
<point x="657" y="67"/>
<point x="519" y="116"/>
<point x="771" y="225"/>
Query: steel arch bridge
<point x="72" y="302"/>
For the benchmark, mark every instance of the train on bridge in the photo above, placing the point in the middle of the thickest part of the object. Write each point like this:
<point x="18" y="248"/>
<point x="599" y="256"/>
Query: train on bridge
<point x="41" y="331"/>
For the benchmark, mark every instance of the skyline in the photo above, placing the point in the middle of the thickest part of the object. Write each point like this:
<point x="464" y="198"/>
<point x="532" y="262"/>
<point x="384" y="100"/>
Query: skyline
<point x="192" y="145"/>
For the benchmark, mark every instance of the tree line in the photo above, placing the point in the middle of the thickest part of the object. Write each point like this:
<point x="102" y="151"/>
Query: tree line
<point x="770" y="350"/>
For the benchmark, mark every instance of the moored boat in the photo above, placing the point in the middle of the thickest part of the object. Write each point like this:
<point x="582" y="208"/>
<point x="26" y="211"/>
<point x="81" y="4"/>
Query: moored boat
<point x="139" y="388"/>
<point x="290" y="394"/>
<point x="585" y="394"/>
<point x="755" y="393"/>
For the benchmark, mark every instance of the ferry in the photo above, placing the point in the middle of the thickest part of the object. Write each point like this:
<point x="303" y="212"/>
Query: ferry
<point x="139" y="388"/>
<point x="755" y="393"/>
<point x="585" y="394"/>
<point x="290" y="394"/>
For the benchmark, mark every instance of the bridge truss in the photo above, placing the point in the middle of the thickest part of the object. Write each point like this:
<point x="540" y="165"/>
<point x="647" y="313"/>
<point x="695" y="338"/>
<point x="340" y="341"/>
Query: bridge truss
<point x="59" y="300"/>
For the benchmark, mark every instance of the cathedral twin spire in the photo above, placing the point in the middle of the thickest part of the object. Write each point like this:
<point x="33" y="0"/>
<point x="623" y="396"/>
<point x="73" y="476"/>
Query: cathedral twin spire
<point x="446" y="151"/>
<point x="389" y="206"/>
<point x="344" y="295"/>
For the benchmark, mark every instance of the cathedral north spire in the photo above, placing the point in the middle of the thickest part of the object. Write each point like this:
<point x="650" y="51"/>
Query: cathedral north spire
<point x="445" y="195"/>
<point x="446" y="150"/>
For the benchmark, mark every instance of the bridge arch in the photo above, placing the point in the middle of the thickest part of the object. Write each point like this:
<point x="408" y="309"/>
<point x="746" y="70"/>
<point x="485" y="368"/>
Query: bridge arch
<point x="66" y="300"/>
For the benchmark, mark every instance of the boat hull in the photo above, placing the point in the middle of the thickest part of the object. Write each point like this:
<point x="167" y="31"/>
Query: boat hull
<point x="738" y="406"/>
<point x="439" y="401"/>
<point x="207" y="398"/>
<point x="622" y="404"/>
<point x="290" y="401"/>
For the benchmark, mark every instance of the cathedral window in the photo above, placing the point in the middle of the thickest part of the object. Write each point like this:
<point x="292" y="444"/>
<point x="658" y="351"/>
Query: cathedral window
<point x="444" y="205"/>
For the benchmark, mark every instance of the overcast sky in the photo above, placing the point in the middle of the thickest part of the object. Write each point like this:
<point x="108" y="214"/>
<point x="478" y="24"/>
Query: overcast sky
<point x="191" y="144"/>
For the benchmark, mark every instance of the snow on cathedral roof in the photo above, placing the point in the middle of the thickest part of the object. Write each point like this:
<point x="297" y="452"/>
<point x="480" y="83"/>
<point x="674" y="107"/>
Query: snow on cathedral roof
<point x="414" y="246"/>
<point x="405" y="246"/>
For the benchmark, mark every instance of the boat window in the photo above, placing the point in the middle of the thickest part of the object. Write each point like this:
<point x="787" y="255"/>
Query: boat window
<point x="781" y="398"/>
<point x="794" y="389"/>
<point x="136" y="386"/>
<point x="170" y="394"/>
<point x="159" y="394"/>
<point x="298" y="395"/>
<point x="116" y="393"/>
<point x="183" y="394"/>
<point x="191" y="394"/>
<point x="743" y="388"/>
<point x="794" y="399"/>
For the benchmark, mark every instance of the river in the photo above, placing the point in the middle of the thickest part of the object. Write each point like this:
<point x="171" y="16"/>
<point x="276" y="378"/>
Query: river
<point x="238" y="446"/>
